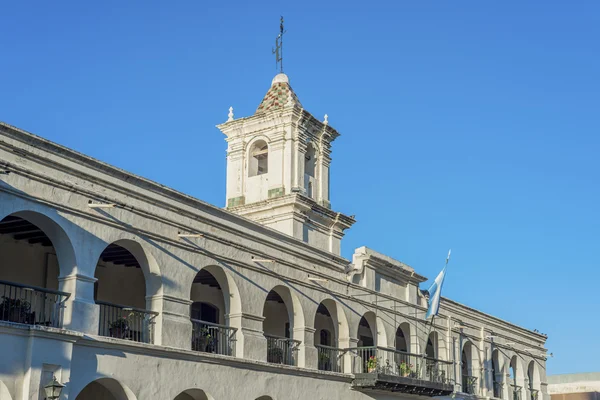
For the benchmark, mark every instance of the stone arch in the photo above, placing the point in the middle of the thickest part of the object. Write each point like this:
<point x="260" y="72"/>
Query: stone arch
<point x="376" y="327"/>
<point x="258" y="157"/>
<point x="128" y="279"/>
<point x="403" y="337"/>
<point x="432" y="345"/>
<point x="533" y="377"/>
<point x="147" y="263"/>
<point x="60" y="240"/>
<point x="194" y="394"/>
<point x="264" y="398"/>
<point x="331" y="333"/>
<point x="517" y="375"/>
<point x="284" y="322"/>
<point x="214" y="286"/>
<point x="105" y="389"/>
<point x="497" y="372"/>
<point x="4" y="393"/>
<point x="470" y="368"/>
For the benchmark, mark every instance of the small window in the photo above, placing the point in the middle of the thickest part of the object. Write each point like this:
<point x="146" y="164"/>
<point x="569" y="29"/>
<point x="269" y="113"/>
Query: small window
<point x="310" y="161"/>
<point x="258" y="163"/>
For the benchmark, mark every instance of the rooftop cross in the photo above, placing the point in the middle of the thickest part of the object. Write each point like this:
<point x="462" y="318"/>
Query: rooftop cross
<point x="278" y="50"/>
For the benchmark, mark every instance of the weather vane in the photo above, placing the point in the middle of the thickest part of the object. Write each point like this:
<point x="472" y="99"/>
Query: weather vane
<point x="278" y="50"/>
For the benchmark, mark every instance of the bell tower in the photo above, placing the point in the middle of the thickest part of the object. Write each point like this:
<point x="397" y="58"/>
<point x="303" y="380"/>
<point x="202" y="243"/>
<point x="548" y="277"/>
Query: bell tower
<point x="278" y="169"/>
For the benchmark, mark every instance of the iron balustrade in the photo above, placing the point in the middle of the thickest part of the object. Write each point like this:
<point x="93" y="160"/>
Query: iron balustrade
<point x="31" y="305"/>
<point x="516" y="392"/>
<point x="398" y="363"/>
<point x="282" y="350"/>
<point x="330" y="358"/>
<point x="498" y="390"/>
<point x="534" y="394"/>
<point x="124" y="322"/>
<point x="208" y="337"/>
<point x="469" y="384"/>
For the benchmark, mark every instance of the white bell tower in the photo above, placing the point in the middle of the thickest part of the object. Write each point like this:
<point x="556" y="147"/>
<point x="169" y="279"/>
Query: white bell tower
<point x="278" y="169"/>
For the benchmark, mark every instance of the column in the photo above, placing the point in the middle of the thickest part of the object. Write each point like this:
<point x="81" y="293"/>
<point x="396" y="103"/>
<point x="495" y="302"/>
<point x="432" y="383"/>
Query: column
<point x="172" y="327"/>
<point x="81" y="312"/>
<point x="251" y="342"/>
<point x="307" y="352"/>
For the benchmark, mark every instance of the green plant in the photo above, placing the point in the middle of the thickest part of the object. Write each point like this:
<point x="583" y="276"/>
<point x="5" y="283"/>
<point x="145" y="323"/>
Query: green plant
<point x="372" y="363"/>
<point x="15" y="310"/>
<point x="405" y="368"/>
<point x="121" y="322"/>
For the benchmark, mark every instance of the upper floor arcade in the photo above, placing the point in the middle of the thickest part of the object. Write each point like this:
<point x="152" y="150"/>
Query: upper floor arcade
<point x="92" y="249"/>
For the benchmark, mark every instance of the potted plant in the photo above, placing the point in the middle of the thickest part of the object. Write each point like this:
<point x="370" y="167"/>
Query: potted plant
<point x="276" y="354"/>
<point x="16" y="310"/>
<point x="324" y="361"/>
<point x="372" y="364"/>
<point x="119" y="328"/>
<point x="203" y="341"/>
<point x="405" y="368"/>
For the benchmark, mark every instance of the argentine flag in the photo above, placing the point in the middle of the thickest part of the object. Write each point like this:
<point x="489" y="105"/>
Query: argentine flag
<point x="435" y="292"/>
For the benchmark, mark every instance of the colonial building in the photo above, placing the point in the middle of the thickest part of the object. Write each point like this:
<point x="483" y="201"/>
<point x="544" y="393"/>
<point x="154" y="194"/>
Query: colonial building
<point x="122" y="288"/>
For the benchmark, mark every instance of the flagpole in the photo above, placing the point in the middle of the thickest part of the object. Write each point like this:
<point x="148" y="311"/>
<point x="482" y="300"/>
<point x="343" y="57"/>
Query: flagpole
<point x="424" y="354"/>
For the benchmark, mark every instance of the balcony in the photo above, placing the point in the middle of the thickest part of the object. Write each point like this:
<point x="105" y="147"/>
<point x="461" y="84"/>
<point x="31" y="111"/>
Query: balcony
<point x="378" y="368"/>
<point x="497" y="390"/>
<point x="516" y="392"/>
<point x="213" y="338"/>
<point x="282" y="350"/>
<point x="127" y="323"/>
<point x="469" y="384"/>
<point x="330" y="358"/>
<point x="31" y="305"/>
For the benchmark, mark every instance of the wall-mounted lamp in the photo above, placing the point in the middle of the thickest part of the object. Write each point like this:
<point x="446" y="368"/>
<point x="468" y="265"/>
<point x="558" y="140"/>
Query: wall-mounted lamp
<point x="189" y="235"/>
<point x="91" y="204"/>
<point x="310" y="278"/>
<point x="262" y="260"/>
<point x="53" y="389"/>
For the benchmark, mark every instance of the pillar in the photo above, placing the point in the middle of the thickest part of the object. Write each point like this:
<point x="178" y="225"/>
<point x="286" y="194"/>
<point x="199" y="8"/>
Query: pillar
<point x="81" y="312"/>
<point x="251" y="342"/>
<point x="172" y="327"/>
<point x="308" y="356"/>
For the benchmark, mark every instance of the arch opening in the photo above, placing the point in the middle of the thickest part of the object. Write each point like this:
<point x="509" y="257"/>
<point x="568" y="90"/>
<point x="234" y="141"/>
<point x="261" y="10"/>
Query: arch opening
<point x="105" y="389"/>
<point x="193" y="394"/>
<point x="258" y="160"/>
<point x="123" y="277"/>
<point x="282" y="313"/>
<point x="469" y="360"/>
<point x="34" y="250"/>
<point x="214" y="297"/>
<point x="331" y="327"/>
<point x="402" y="340"/>
<point x="533" y="381"/>
<point x="496" y="374"/>
<point x="516" y="378"/>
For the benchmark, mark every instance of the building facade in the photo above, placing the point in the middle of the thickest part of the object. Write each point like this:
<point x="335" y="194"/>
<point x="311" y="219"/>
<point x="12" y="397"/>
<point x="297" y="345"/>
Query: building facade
<point x="122" y="288"/>
<point x="584" y="386"/>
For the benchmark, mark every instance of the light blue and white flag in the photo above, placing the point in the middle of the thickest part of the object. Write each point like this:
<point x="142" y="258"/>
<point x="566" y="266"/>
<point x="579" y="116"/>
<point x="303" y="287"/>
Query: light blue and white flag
<point x="435" y="291"/>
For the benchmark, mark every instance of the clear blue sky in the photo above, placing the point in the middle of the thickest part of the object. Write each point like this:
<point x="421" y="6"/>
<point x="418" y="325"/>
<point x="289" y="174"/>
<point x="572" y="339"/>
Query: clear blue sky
<point x="472" y="125"/>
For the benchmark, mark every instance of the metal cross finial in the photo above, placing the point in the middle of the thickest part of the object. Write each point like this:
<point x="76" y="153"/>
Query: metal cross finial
<point x="278" y="50"/>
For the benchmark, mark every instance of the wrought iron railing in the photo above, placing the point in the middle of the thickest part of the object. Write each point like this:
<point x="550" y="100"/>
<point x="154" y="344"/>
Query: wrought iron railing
<point x="534" y="394"/>
<point x="213" y="338"/>
<point x="516" y="392"/>
<point x="31" y="305"/>
<point x="469" y="384"/>
<point x="124" y="322"/>
<point x="282" y="350"/>
<point x="330" y="358"/>
<point x="394" y="362"/>
<point x="498" y="390"/>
